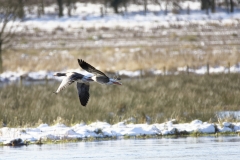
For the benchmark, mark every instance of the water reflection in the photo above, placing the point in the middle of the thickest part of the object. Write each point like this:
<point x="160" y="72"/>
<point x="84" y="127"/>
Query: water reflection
<point x="163" y="148"/>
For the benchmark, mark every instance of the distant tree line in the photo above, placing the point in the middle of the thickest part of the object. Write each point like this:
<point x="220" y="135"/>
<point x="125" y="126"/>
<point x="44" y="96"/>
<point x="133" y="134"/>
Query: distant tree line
<point x="211" y="4"/>
<point x="70" y="5"/>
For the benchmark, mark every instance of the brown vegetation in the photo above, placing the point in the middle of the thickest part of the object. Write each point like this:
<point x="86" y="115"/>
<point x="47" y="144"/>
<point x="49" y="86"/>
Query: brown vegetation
<point x="182" y="97"/>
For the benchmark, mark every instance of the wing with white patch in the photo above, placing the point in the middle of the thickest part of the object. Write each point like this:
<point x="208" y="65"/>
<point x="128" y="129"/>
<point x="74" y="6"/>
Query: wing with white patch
<point x="65" y="82"/>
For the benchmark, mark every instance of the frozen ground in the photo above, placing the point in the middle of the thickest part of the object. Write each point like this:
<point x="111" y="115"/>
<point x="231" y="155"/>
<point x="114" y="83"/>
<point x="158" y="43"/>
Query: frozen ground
<point x="105" y="130"/>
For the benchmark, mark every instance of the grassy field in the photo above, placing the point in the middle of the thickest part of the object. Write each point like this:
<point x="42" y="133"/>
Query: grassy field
<point x="123" y="58"/>
<point x="126" y="48"/>
<point x="182" y="97"/>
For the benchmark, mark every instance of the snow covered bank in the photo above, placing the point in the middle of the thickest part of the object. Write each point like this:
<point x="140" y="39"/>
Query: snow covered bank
<point x="105" y="130"/>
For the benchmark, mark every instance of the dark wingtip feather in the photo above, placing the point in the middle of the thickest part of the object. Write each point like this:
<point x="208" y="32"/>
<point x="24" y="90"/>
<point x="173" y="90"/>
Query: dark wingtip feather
<point x="84" y="104"/>
<point x="83" y="64"/>
<point x="80" y="61"/>
<point x="84" y="100"/>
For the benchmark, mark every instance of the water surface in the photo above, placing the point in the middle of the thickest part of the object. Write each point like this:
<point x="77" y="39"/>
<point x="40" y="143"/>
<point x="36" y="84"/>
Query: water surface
<point x="164" y="148"/>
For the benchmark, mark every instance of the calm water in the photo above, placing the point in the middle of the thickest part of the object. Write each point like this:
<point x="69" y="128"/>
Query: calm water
<point x="165" y="148"/>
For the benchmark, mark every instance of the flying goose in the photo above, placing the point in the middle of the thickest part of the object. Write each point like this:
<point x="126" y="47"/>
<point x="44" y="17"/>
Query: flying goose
<point x="99" y="76"/>
<point x="82" y="85"/>
<point x="83" y="81"/>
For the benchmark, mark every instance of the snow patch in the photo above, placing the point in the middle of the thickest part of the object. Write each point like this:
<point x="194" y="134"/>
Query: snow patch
<point x="103" y="129"/>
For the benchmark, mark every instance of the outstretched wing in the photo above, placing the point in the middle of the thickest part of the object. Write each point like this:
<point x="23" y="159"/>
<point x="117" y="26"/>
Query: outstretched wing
<point x="83" y="93"/>
<point x="65" y="82"/>
<point x="89" y="68"/>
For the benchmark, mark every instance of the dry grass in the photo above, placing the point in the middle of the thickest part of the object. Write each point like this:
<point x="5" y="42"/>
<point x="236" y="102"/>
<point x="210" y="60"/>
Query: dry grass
<point x="125" y="48"/>
<point x="182" y="97"/>
<point x="128" y="58"/>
